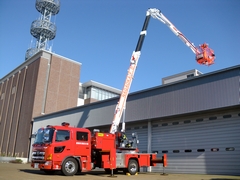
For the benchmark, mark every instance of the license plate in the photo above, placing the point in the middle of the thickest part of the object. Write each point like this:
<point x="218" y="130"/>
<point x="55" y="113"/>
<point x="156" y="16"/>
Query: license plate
<point x="36" y="165"/>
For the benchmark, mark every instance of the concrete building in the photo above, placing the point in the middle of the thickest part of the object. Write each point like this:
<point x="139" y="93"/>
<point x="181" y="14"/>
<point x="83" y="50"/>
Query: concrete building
<point x="43" y="84"/>
<point x="195" y="121"/>
<point x="93" y="91"/>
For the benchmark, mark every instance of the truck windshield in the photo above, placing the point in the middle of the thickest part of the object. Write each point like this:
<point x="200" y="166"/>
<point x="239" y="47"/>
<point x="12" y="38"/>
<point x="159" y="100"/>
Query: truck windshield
<point x="44" y="136"/>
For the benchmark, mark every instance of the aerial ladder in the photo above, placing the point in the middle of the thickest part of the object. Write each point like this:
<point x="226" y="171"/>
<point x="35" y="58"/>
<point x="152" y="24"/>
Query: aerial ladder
<point x="204" y="56"/>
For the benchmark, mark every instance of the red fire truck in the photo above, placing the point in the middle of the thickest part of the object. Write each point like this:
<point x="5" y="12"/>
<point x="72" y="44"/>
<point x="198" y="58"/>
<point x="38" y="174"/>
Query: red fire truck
<point x="70" y="149"/>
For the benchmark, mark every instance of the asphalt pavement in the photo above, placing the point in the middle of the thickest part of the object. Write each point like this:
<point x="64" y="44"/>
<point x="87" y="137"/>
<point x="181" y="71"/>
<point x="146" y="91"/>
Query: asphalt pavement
<point x="12" y="171"/>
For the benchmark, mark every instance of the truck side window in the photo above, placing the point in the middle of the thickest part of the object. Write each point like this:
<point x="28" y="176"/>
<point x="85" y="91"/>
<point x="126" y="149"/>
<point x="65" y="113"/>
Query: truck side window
<point x="82" y="136"/>
<point x="62" y="135"/>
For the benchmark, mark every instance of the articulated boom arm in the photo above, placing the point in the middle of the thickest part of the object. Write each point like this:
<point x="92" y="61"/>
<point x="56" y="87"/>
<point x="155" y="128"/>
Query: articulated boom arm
<point x="204" y="55"/>
<point x="156" y="13"/>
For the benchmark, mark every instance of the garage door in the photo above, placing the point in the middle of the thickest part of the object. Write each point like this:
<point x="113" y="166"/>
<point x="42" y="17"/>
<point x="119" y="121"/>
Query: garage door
<point x="209" y="145"/>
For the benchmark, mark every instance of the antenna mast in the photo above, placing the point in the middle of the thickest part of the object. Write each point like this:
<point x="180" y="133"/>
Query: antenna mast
<point x="43" y="29"/>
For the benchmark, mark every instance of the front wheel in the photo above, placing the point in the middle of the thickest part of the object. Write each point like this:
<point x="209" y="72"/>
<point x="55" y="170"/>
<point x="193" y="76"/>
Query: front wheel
<point x="69" y="167"/>
<point x="132" y="167"/>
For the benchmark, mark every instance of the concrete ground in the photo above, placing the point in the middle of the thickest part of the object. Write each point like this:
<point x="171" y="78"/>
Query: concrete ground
<point x="25" y="172"/>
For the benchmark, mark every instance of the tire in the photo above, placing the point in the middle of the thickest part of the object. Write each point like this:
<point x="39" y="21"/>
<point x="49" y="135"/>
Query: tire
<point x="132" y="167"/>
<point x="69" y="167"/>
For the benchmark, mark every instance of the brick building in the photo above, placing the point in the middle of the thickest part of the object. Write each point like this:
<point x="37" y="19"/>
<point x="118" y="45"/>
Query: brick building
<point x="43" y="84"/>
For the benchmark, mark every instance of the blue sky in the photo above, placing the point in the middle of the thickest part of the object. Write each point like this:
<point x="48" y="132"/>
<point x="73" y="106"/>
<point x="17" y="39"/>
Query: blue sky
<point x="103" y="34"/>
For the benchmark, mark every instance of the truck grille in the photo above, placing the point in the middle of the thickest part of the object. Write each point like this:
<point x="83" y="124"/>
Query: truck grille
<point x="38" y="155"/>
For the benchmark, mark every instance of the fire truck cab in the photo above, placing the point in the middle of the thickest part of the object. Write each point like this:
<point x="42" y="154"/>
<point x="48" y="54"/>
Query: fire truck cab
<point x="62" y="148"/>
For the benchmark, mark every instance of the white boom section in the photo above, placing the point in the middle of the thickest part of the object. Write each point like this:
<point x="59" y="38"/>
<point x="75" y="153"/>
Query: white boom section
<point x="156" y="13"/>
<point x="122" y="101"/>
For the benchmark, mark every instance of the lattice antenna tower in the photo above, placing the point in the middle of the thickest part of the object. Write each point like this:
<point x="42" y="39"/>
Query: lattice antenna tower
<point x="43" y="30"/>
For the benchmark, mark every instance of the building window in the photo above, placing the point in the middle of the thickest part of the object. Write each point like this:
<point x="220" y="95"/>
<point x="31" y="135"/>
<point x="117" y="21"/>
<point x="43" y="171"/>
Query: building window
<point x="213" y="118"/>
<point x="190" y="75"/>
<point x="230" y="149"/>
<point x="176" y="151"/>
<point x="214" y="149"/>
<point x="2" y="96"/>
<point x="164" y="151"/>
<point x="88" y="92"/>
<point x="99" y="94"/>
<point x="13" y="89"/>
<point x="81" y="92"/>
<point x="199" y="120"/>
<point x="227" y="116"/>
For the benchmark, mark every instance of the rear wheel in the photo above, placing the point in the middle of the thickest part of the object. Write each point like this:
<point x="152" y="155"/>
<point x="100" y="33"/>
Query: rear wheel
<point x="132" y="167"/>
<point x="69" y="167"/>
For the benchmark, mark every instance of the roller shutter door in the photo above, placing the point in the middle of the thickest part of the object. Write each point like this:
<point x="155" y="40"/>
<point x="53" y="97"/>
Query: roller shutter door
<point x="209" y="145"/>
